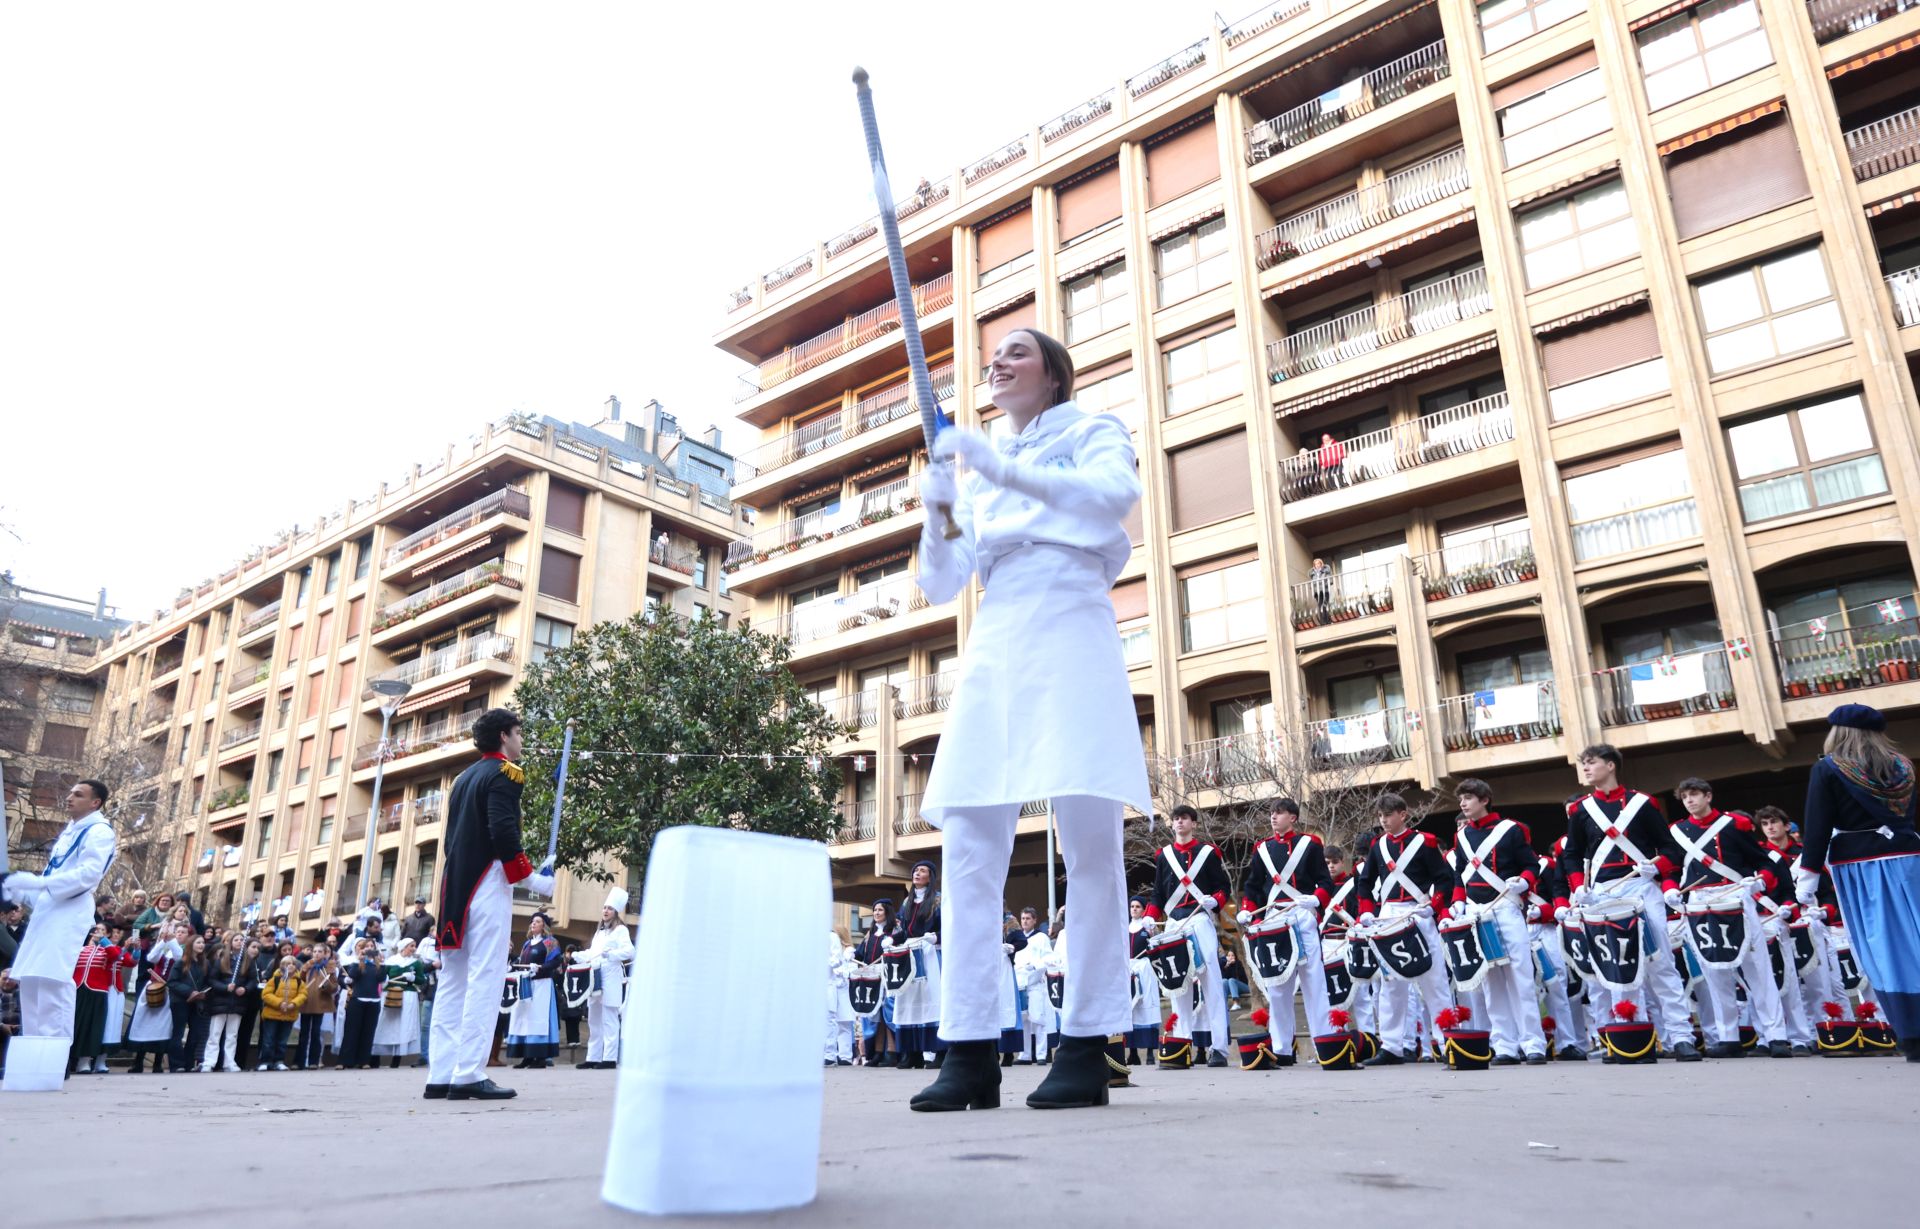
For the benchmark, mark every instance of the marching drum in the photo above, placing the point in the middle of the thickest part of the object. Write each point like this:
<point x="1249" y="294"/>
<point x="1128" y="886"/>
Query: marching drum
<point x="1850" y="978"/>
<point x="1398" y="946"/>
<point x="866" y="989"/>
<point x="1057" y="990"/>
<point x="1174" y="959"/>
<point x="1806" y="952"/>
<point x="902" y="967"/>
<point x="1271" y="951"/>
<point x="1616" y="941"/>
<point x="1469" y="956"/>
<point x="1717" y="926"/>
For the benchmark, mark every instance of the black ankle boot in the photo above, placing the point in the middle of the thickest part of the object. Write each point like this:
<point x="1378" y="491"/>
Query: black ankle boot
<point x="1911" y="1047"/>
<point x="939" y="1059"/>
<point x="1078" y="1078"/>
<point x="1006" y="1060"/>
<point x="969" y="1080"/>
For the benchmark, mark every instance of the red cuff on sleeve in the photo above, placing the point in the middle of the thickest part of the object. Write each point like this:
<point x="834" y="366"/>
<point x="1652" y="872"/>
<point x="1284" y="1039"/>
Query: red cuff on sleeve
<point x="1459" y="895"/>
<point x="517" y="868"/>
<point x="1550" y="912"/>
<point x="1153" y="911"/>
<point x="1246" y="904"/>
<point x="1770" y="879"/>
<point x="1366" y="906"/>
<point x="1323" y="896"/>
<point x="1668" y="884"/>
<point x="1220" y="898"/>
<point x="1533" y="880"/>
<point x="1576" y="879"/>
<point x="1665" y="865"/>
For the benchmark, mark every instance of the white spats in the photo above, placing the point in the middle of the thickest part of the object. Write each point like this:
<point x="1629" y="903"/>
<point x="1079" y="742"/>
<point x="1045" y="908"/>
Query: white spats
<point x="718" y="1103"/>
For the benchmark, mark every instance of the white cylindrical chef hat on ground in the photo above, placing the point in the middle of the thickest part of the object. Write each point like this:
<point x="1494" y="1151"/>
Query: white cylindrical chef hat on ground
<point x="717" y="1108"/>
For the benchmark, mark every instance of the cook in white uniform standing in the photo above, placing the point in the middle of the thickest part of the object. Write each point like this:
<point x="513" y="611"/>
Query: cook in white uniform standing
<point x="62" y="903"/>
<point x="609" y="954"/>
<point x="1042" y="710"/>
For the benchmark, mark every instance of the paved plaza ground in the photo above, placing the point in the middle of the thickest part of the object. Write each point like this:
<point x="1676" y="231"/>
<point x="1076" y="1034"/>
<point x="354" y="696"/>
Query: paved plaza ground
<point x="1764" y="1142"/>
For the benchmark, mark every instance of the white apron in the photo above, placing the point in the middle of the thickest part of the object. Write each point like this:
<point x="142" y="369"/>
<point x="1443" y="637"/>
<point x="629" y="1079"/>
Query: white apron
<point x="1043" y="708"/>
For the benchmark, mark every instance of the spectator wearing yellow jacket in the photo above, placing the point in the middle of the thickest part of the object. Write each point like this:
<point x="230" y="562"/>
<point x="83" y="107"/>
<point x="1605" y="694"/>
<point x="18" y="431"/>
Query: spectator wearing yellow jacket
<point x="281" y="999"/>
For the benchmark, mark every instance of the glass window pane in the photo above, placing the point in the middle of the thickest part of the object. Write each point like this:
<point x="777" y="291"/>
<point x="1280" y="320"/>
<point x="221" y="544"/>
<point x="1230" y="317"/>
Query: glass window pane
<point x="1808" y="327"/>
<point x="1774" y="497"/>
<point x="1667" y="44"/>
<point x="1484" y="675"/>
<point x="1796" y="279"/>
<point x="1351" y="697"/>
<point x="1835" y="428"/>
<point x="1242" y="581"/>
<point x="1727" y="19"/>
<point x="1854" y="479"/>
<point x="1601" y="205"/>
<point x="1730" y="300"/>
<point x="1764" y="447"/>
<point x="1543" y="226"/>
<point x="1752" y="344"/>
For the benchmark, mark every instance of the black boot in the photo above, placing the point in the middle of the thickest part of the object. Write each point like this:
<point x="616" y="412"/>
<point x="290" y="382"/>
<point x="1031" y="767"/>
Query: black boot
<point x="1911" y="1047"/>
<point x="1078" y="1078"/>
<point x="1006" y="1060"/>
<point x="970" y="1080"/>
<point x="939" y="1059"/>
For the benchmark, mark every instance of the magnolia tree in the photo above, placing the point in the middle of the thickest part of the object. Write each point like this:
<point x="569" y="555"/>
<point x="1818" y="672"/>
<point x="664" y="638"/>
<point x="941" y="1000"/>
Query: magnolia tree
<point x="676" y="721"/>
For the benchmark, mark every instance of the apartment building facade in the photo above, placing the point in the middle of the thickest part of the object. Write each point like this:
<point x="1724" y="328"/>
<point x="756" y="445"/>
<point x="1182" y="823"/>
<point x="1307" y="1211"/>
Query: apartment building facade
<point x="1505" y="377"/>
<point x="255" y="691"/>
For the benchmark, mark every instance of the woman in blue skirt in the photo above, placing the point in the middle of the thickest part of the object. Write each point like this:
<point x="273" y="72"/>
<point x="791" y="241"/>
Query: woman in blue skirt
<point x="1860" y="826"/>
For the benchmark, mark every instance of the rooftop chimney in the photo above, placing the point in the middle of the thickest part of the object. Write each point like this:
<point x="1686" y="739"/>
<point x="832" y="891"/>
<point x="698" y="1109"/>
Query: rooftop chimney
<point x="613" y="409"/>
<point x="713" y="439"/>
<point x="100" y="606"/>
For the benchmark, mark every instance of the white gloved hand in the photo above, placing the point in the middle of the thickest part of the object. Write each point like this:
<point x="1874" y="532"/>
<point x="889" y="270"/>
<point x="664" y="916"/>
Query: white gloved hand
<point x="938" y="487"/>
<point x="1243" y="917"/>
<point x="1310" y="903"/>
<point x="976" y="448"/>
<point x="932" y="939"/>
<point x="539" y="884"/>
<point x="1517" y="886"/>
<point x="1457" y="909"/>
<point x="1805" y="882"/>
<point x="1675" y="901"/>
<point x="1533" y="913"/>
<point x="887" y="944"/>
<point x="1007" y="948"/>
<point x="1365" y="919"/>
<point x="1646" y="870"/>
<point x="1581" y="895"/>
<point x="1209" y="904"/>
<point x="19" y="884"/>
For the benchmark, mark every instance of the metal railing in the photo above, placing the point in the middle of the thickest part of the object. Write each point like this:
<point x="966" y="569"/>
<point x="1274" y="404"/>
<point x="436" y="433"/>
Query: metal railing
<point x="443" y="733"/>
<point x="739" y="298"/>
<point x="243" y="677"/>
<point x="1904" y="286"/>
<point x="1619" y="701"/>
<point x="1464" y="724"/>
<point x="1366" y="738"/>
<point x="873" y="506"/>
<point x="861" y="710"/>
<point x="906" y="816"/>
<point x="1837" y="18"/>
<point x="1087" y="112"/>
<point x="1885" y="145"/>
<point x="1316" y="117"/>
<point x="511" y="501"/>
<point x="872" y="412"/>
<point x="1472" y="567"/>
<point x="673" y="556"/>
<point x="1845" y="658"/>
<point x="475" y="578"/>
<point x="156" y="714"/>
<point x="1402" y="192"/>
<point x="489" y="647"/>
<point x="1236" y="759"/>
<point x="866" y="819"/>
<point x="922" y="198"/>
<point x="1451" y="432"/>
<point x="260" y="618"/>
<point x="1261" y="20"/>
<point x="787" y="272"/>
<point x="1340" y="596"/>
<point x="240" y="734"/>
<point x="355" y="829"/>
<point x="1005" y="156"/>
<point x="848" y="335"/>
<point x="163" y="666"/>
<point x="1673" y="521"/>
<point x="1181" y="62"/>
<point x="830" y="617"/>
<point x="853" y="237"/>
<point x="929" y="693"/>
<point x="1460" y="297"/>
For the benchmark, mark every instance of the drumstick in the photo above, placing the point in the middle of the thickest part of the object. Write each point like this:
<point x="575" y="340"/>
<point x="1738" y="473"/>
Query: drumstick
<point x="932" y="421"/>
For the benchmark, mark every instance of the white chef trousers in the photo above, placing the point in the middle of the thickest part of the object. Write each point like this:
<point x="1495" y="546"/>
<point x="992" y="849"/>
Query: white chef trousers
<point x="603" y="1028"/>
<point x="1756" y="970"/>
<point x="46" y="1007"/>
<point x="1309" y="974"/>
<point x="1660" y="983"/>
<point x="1366" y="1007"/>
<point x="839" y="1040"/>
<point x="976" y="847"/>
<point x="467" y="1003"/>
<point x="1398" y="1031"/>
<point x="1508" y="1002"/>
<point x="1038" y="1022"/>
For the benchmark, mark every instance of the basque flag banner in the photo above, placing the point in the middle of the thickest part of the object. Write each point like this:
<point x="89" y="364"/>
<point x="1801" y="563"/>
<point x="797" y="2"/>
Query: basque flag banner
<point x="1669" y="679"/>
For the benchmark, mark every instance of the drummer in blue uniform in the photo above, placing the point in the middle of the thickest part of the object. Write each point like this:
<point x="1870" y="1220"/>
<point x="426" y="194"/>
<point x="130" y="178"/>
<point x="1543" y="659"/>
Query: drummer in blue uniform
<point x="916" y="937"/>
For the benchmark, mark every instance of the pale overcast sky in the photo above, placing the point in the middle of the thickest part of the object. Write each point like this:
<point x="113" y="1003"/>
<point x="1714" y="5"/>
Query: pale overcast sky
<point x="255" y="258"/>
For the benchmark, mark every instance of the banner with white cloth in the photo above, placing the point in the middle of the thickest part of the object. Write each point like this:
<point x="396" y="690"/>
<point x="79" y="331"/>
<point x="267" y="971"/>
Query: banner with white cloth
<point x="1361" y="733"/>
<point x="1502" y="707"/>
<point x="1669" y="679"/>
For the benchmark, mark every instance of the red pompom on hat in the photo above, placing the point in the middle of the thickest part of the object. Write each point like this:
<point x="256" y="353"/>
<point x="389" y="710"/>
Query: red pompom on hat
<point x="1626" y="1010"/>
<point x="1172" y="1020"/>
<point x="1339" y="1019"/>
<point x="1546" y="1022"/>
<point x="1868" y="1011"/>
<point x="1833" y="1010"/>
<point x="1462" y="1014"/>
<point x="1447" y="1018"/>
<point x="1259" y="1017"/>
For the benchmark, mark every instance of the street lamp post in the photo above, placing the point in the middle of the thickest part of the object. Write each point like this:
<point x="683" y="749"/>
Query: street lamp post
<point x="392" y="692"/>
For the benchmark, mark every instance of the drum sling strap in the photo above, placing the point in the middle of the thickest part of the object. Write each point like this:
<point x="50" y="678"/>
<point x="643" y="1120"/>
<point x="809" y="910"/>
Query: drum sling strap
<point x="1397" y="872"/>
<point x="1613" y="833"/>
<point x="1184" y="892"/>
<point x="1478" y="860"/>
<point x="1338" y="904"/>
<point x="1283" y="878"/>
<point x="1696" y="851"/>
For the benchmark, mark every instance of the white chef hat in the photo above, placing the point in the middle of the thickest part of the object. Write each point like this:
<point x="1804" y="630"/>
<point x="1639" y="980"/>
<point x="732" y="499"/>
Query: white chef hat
<point x="617" y="900"/>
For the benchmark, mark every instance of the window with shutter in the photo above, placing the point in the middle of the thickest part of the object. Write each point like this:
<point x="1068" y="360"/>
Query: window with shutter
<point x="1749" y="171"/>
<point x="1210" y="481"/>
<point x="1089" y="201"/>
<point x="1181" y="161"/>
<point x="559" y="574"/>
<point x="1611" y="361"/>
<point x="1552" y="108"/>
<point x="566" y="508"/>
<point x="1005" y="240"/>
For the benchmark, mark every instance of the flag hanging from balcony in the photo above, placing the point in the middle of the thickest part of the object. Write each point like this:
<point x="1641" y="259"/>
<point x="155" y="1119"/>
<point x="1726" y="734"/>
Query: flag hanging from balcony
<point x="859" y="763"/>
<point x="1738" y="649"/>
<point x="813" y="763"/>
<point x="1817" y="628"/>
<point x="1414" y="719"/>
<point x="1892" y="610"/>
<point x="1669" y="679"/>
<point x="1506" y="706"/>
<point x="1362" y="733"/>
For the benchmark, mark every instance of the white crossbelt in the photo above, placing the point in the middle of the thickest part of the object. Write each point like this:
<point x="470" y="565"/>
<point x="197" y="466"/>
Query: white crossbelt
<point x="1185" y="874"/>
<point x="1618" y="826"/>
<point x="1476" y="863"/>
<point x="1337" y="905"/>
<point x="1283" y="878"/>
<point x="1697" y="852"/>
<point x="1397" y="873"/>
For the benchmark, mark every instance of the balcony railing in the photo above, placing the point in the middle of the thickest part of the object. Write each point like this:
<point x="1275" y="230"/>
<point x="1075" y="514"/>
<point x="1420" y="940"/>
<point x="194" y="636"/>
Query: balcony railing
<point x="489" y="647"/>
<point x="444" y="733"/>
<point x="1451" y="432"/>
<point x="157" y="714"/>
<point x="802" y="263"/>
<point x="355" y="829"/>
<point x="1846" y="658"/>
<point x="859" y="711"/>
<point x="1904" y="286"/>
<point x="1473" y="567"/>
<point x="1366" y="738"/>
<point x="1316" y="117"/>
<point x="831" y="616"/>
<point x="1680" y="686"/>
<point x="1423" y="310"/>
<point x="866" y="819"/>
<point x="878" y="504"/>
<point x="739" y="298"/>
<point x="1673" y="521"/>
<point x="163" y="666"/>
<point x="259" y="618"/>
<point x="1885" y="144"/>
<point x="1340" y="596"/>
<point x="843" y="338"/>
<point x="480" y="576"/>
<point x="872" y="412"/>
<point x="853" y="237"/>
<point x="1261" y="20"/>
<point x="1179" y="63"/>
<point x="1404" y="191"/>
<point x="1005" y="156"/>
<point x="1085" y="113"/>
<point x="674" y="557"/>
<point x="922" y="197"/>
<point x="1837" y="18"/>
<point x="1236" y="759"/>
<point x="240" y="734"/>
<point x="509" y="500"/>
<point x="906" y="816"/>
<point x="245" y="676"/>
<point x="927" y="694"/>
<point x="1484" y="718"/>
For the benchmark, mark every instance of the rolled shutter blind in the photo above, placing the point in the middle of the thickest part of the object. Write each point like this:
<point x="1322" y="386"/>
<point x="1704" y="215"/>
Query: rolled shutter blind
<point x="1008" y="238"/>
<point x="1089" y="202"/>
<point x="995" y="330"/>
<point x="1210" y="481"/>
<point x="1192" y="570"/>
<point x="1129" y="600"/>
<point x="1182" y="162"/>
<point x="1608" y="344"/>
<point x="1544" y="78"/>
<point x="1742" y="175"/>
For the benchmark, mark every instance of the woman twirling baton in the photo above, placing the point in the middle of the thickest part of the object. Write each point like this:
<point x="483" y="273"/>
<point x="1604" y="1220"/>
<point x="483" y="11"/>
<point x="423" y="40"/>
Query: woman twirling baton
<point x="1042" y="710"/>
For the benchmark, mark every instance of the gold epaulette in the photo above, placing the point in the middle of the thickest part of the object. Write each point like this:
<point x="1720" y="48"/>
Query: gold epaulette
<point x="514" y="772"/>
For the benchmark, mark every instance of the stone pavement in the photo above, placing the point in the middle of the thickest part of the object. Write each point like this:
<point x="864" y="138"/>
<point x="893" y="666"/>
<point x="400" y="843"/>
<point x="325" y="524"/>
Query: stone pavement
<point x="1763" y="1142"/>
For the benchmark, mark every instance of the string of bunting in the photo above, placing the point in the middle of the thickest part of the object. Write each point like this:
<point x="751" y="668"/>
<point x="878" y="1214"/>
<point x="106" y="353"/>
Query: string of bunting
<point x="814" y="762"/>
